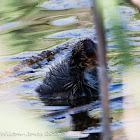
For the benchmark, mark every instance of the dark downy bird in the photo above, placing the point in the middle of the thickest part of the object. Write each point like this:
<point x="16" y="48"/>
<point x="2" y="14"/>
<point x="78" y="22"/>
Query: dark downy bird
<point x="74" y="77"/>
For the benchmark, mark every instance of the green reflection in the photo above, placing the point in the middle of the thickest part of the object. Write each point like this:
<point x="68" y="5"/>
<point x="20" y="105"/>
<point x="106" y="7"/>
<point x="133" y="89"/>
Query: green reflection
<point x="15" y="9"/>
<point x="34" y="25"/>
<point x="15" y="41"/>
<point x="118" y="32"/>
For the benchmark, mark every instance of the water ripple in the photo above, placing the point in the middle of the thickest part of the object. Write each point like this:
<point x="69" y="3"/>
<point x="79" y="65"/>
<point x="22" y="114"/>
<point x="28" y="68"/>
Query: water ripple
<point x="73" y="33"/>
<point x="64" y="21"/>
<point x="9" y="25"/>
<point x="65" y="4"/>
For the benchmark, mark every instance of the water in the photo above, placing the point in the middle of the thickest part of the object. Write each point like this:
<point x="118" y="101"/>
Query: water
<point x="29" y="27"/>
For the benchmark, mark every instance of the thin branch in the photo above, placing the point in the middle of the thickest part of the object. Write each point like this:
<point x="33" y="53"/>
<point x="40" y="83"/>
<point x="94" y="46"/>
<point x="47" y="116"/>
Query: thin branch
<point x="101" y="49"/>
<point x="136" y="3"/>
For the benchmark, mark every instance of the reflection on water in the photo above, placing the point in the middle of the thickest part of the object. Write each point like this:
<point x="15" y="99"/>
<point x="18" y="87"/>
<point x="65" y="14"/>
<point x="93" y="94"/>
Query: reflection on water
<point x="62" y="4"/>
<point x="65" y="21"/>
<point x="27" y="30"/>
<point x="73" y="33"/>
<point x="8" y="25"/>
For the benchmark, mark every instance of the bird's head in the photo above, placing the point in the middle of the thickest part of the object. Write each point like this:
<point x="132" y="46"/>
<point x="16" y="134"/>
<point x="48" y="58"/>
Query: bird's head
<point x="85" y="54"/>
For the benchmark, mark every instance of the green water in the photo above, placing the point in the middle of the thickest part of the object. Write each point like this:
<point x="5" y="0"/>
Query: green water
<point x="29" y="27"/>
<point x="32" y="23"/>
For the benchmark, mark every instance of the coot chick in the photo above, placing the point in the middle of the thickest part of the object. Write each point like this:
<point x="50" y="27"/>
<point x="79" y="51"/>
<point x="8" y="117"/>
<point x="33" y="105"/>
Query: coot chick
<point x="69" y="79"/>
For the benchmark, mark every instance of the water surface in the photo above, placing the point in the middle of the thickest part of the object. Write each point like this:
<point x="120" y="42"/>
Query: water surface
<point x="27" y="28"/>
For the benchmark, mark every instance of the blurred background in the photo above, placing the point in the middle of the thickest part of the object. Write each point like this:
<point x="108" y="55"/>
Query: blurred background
<point x="27" y="28"/>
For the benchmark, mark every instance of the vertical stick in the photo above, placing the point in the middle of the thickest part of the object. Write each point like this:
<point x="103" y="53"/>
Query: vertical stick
<point x="101" y="50"/>
<point x="136" y="3"/>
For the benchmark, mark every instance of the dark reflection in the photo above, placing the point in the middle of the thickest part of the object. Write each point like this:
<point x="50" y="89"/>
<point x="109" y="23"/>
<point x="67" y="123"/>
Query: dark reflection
<point x="82" y="121"/>
<point x="92" y="136"/>
<point x="72" y="103"/>
<point x="78" y="110"/>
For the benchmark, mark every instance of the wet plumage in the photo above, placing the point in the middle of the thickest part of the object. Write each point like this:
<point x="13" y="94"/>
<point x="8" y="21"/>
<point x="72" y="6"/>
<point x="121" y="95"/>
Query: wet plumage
<point x="74" y="77"/>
